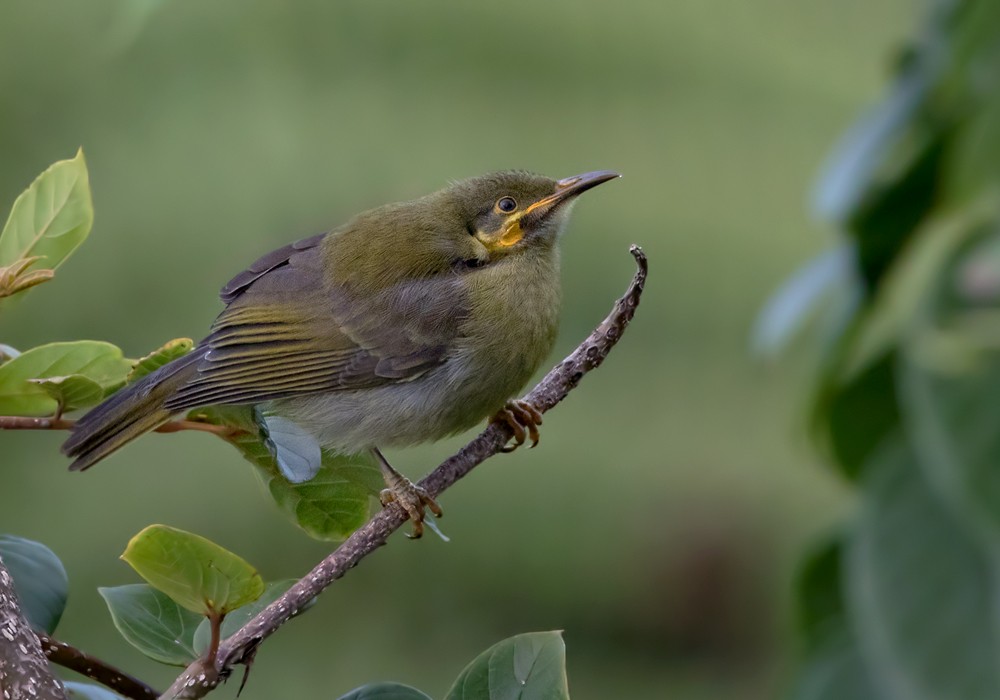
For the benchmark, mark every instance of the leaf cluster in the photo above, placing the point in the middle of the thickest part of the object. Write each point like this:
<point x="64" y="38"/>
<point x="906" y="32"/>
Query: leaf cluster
<point x="901" y="602"/>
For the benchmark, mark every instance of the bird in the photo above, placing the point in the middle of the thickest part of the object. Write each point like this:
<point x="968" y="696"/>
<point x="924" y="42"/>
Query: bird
<point x="411" y="322"/>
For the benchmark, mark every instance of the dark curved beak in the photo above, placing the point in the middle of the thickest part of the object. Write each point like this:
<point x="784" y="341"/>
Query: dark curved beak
<point x="566" y="189"/>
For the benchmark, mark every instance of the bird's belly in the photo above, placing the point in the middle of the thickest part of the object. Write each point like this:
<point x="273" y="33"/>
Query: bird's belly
<point x="447" y="400"/>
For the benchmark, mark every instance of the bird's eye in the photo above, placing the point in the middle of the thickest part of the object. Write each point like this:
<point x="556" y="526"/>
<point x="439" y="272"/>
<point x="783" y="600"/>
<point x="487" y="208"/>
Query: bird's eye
<point x="506" y="204"/>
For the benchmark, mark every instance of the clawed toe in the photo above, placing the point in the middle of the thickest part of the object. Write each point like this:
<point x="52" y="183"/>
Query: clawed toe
<point x="412" y="498"/>
<point x="523" y="419"/>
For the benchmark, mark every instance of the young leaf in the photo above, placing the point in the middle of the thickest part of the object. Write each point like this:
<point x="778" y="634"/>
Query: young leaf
<point x="100" y="362"/>
<point x="39" y="580"/>
<point x="331" y="505"/>
<point x="153" y="623"/>
<point x="527" y="666"/>
<point x="195" y="572"/>
<point x="178" y="347"/>
<point x="385" y="691"/>
<point x="71" y="391"/>
<point x="50" y="218"/>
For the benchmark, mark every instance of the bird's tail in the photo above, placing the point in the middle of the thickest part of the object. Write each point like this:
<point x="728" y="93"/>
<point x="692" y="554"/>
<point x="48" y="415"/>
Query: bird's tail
<point x="128" y="413"/>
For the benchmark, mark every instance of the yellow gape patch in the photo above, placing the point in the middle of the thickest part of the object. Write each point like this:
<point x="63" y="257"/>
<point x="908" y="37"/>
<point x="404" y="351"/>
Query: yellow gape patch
<point x="512" y="233"/>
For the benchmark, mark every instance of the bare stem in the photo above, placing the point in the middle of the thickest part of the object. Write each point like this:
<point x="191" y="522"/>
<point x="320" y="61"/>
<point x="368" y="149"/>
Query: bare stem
<point x="198" y="680"/>
<point x="174" y="426"/>
<point x="104" y="673"/>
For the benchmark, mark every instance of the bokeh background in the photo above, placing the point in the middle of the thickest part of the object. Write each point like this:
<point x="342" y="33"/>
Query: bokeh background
<point x="660" y="520"/>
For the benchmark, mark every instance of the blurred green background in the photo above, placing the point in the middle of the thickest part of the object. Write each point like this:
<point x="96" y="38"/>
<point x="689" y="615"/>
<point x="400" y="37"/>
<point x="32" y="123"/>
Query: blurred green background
<point x="661" y="518"/>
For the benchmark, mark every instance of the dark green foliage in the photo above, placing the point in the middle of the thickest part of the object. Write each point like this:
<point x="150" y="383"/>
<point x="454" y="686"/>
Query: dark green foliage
<point x="902" y="604"/>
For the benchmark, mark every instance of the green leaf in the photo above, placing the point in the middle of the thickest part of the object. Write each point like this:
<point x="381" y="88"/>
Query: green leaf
<point x="951" y="380"/>
<point x="243" y="615"/>
<point x="50" y="218"/>
<point x="385" y="691"/>
<point x="836" y="671"/>
<point x="195" y="572"/>
<point x="39" y="580"/>
<point x="818" y="592"/>
<point x="921" y="589"/>
<point x="528" y="666"/>
<point x="72" y="391"/>
<point x="331" y="505"/>
<point x="89" y="691"/>
<point x="168" y="352"/>
<point x="153" y="623"/>
<point x="100" y="362"/>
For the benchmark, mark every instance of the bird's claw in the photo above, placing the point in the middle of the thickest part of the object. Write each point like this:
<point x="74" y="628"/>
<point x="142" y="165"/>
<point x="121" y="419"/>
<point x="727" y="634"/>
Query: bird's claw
<point x="413" y="499"/>
<point x="523" y="419"/>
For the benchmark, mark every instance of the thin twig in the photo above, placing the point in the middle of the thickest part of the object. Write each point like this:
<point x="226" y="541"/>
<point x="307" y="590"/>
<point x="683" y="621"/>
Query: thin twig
<point x="174" y="426"/>
<point x="104" y="673"/>
<point x="24" y="672"/>
<point x="200" y="677"/>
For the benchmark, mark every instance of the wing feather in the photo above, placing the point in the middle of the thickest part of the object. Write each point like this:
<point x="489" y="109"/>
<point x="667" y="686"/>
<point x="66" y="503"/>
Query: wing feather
<point x="286" y="331"/>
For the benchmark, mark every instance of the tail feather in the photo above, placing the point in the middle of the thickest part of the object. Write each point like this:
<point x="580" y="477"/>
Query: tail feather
<point x="128" y="413"/>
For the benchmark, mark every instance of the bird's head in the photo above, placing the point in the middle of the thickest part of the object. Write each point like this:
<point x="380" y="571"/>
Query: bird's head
<point x="515" y="211"/>
<point x="470" y="224"/>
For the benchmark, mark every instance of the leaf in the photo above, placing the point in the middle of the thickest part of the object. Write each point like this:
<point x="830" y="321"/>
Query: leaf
<point x="39" y="580"/>
<point x="789" y="307"/>
<point x="951" y="382"/>
<point x="921" y="589"/>
<point x="168" y="352"/>
<point x="385" y="691"/>
<point x="837" y="408"/>
<point x="195" y="572"/>
<point x="528" y="666"/>
<point x="72" y="391"/>
<point x="836" y="671"/>
<point x="89" y="691"/>
<point x="50" y="218"/>
<point x="153" y="623"/>
<point x="98" y="361"/>
<point x="243" y="615"/>
<point x="818" y="593"/>
<point x="331" y="505"/>
<point x="863" y="151"/>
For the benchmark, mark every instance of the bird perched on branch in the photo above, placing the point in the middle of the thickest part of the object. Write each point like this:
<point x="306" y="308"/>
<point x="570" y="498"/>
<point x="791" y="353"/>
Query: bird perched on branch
<point x="410" y="323"/>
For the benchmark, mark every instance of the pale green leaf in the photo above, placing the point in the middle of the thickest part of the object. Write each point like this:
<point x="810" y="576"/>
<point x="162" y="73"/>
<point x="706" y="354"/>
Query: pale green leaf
<point x="50" y="218"/>
<point x="100" y="362"/>
<point x="72" y="391"/>
<point x="168" y="352"/>
<point x="195" y="572"/>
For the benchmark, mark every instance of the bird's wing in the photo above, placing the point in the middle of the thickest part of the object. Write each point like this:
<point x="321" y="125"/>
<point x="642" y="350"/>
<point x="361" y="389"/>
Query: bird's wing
<point x="287" y="332"/>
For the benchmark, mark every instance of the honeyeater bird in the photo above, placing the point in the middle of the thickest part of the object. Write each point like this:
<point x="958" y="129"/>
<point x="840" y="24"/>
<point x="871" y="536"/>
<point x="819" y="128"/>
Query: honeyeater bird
<point x="410" y="323"/>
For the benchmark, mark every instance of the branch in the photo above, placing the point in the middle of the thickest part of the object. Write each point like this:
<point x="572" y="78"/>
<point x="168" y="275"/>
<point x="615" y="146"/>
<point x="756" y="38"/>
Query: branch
<point x="174" y="426"/>
<point x="202" y="676"/>
<point x="76" y="660"/>
<point x="24" y="672"/>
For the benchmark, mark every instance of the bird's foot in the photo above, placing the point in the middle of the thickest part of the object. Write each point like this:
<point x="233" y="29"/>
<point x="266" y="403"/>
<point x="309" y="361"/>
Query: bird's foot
<point x="412" y="498"/>
<point x="523" y="419"/>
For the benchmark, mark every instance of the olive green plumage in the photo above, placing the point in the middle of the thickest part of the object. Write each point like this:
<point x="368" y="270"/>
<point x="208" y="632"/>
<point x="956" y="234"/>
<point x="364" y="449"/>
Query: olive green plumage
<point x="411" y="322"/>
